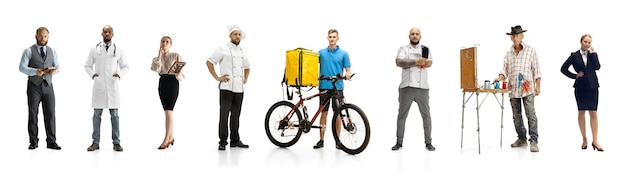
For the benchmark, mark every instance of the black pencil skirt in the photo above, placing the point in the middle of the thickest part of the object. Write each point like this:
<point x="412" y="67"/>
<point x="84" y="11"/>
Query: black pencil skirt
<point x="168" y="91"/>
<point x="587" y="99"/>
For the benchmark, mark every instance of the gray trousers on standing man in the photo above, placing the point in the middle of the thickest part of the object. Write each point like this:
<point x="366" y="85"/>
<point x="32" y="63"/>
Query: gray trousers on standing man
<point x="407" y="96"/>
<point x="41" y="94"/>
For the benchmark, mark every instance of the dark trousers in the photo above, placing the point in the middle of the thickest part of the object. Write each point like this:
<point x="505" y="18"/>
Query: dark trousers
<point x="43" y="94"/>
<point x="230" y="104"/>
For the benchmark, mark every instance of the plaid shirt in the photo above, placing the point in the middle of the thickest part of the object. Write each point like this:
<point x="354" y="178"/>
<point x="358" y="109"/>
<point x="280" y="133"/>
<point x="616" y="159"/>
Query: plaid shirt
<point x="524" y="63"/>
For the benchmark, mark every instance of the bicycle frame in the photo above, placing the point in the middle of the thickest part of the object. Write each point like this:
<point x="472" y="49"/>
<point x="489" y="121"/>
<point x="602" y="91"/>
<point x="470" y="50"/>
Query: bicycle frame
<point x="350" y="135"/>
<point x="333" y="94"/>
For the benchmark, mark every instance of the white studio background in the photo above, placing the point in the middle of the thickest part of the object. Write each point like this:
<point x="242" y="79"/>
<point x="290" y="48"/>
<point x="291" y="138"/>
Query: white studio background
<point x="371" y="32"/>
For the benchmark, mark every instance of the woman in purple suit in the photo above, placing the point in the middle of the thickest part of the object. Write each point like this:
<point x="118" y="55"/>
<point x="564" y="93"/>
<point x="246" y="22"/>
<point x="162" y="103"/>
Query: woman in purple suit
<point x="585" y="62"/>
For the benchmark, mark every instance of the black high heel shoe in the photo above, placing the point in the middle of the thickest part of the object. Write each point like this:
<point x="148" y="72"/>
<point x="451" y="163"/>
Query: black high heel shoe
<point x="166" y="145"/>
<point x="584" y="146"/>
<point x="596" y="148"/>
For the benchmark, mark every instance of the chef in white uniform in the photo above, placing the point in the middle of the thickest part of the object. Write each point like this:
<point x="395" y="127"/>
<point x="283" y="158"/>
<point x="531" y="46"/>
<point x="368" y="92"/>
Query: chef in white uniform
<point x="106" y="65"/>
<point x="234" y="70"/>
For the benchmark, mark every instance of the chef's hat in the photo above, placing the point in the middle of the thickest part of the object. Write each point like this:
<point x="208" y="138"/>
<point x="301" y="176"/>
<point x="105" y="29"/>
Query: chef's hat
<point x="232" y="28"/>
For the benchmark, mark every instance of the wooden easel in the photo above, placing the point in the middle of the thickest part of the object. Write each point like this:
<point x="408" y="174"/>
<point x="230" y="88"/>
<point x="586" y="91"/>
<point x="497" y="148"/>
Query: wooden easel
<point x="469" y="84"/>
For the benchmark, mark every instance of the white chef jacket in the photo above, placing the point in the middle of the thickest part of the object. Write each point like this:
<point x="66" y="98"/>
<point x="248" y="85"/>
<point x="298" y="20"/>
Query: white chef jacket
<point x="232" y="61"/>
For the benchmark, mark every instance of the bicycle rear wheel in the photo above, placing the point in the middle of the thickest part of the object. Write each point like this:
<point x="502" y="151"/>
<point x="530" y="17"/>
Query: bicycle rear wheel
<point x="354" y="133"/>
<point x="281" y="129"/>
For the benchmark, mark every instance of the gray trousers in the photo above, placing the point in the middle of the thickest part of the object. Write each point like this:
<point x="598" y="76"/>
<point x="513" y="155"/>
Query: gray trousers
<point x="41" y="94"/>
<point x="115" y="126"/>
<point x="407" y="96"/>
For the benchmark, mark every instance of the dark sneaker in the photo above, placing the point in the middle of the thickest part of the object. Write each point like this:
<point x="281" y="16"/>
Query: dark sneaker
<point x="319" y="144"/>
<point x="93" y="147"/>
<point x="117" y="147"/>
<point x="519" y="143"/>
<point x="430" y="147"/>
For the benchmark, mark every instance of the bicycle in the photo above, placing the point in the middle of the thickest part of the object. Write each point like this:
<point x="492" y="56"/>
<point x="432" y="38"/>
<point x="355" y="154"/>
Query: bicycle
<point x="284" y="130"/>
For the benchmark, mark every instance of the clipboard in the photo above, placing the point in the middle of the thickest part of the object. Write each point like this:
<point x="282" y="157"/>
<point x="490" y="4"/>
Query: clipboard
<point x="176" y="67"/>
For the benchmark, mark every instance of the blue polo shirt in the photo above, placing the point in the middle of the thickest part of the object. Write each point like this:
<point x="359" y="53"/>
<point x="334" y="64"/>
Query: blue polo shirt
<point x="332" y="63"/>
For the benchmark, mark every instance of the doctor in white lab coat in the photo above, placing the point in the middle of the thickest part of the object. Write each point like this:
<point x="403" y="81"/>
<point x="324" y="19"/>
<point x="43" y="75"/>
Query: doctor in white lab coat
<point x="106" y="65"/>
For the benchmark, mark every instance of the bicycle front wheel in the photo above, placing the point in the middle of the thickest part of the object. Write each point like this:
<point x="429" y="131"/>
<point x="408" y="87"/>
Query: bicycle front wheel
<point x="281" y="126"/>
<point x="351" y="129"/>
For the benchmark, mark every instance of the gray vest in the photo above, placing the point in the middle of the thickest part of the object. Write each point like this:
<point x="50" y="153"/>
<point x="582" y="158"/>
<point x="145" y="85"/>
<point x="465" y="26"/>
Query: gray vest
<point x="40" y="63"/>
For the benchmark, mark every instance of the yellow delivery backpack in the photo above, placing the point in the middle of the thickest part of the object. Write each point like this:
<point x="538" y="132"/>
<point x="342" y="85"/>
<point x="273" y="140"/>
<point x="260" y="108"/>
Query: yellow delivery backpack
<point x="302" y="68"/>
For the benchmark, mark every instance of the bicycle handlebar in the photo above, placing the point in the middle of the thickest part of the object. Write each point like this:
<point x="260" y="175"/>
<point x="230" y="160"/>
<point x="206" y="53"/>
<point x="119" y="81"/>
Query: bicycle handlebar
<point x="334" y="78"/>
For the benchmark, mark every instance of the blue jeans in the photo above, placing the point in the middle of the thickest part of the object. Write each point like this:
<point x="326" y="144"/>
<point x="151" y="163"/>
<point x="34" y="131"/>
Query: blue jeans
<point x="115" y="125"/>
<point x="529" y="108"/>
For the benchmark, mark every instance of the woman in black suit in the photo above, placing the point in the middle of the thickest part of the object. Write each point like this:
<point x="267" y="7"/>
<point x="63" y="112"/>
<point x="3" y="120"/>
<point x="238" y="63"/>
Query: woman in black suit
<point x="585" y="62"/>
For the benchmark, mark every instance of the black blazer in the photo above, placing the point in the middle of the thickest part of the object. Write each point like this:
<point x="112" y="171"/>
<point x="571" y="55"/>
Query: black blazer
<point x="589" y="79"/>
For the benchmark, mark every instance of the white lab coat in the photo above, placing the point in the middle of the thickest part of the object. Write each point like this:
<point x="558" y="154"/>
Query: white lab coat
<point x="106" y="91"/>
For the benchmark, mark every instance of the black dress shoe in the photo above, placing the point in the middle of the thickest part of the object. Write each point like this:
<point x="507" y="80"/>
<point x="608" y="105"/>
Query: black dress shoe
<point x="32" y="146"/>
<point x="239" y="144"/>
<point x="430" y="147"/>
<point x="396" y="147"/>
<point x="54" y="146"/>
<point x="221" y="147"/>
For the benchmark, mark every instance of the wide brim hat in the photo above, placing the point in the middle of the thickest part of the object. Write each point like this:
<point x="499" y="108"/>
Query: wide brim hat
<point x="516" y="30"/>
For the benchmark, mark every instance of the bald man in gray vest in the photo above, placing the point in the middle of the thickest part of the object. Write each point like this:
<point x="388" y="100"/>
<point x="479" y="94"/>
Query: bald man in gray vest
<point x="40" y="63"/>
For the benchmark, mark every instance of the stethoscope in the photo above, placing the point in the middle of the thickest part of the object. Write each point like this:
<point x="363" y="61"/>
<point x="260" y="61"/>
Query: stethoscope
<point x="100" y="45"/>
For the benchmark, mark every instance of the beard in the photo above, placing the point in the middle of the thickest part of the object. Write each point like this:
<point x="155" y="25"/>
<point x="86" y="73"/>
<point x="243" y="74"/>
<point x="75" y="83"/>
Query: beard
<point x="107" y="40"/>
<point x="42" y="43"/>
<point x="236" y="42"/>
<point x="414" y="43"/>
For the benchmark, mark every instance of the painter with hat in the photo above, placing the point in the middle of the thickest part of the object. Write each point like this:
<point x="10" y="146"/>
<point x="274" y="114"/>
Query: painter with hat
<point x="521" y="70"/>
